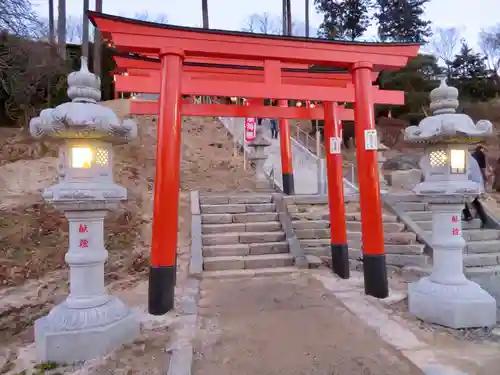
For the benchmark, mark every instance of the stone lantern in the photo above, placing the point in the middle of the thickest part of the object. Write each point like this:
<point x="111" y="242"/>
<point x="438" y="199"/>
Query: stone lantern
<point x="88" y="323"/>
<point x="259" y="157"/>
<point x="447" y="297"/>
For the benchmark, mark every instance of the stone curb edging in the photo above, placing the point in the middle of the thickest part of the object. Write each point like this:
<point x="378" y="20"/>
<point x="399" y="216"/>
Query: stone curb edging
<point x="196" y="260"/>
<point x="181" y="349"/>
<point x="286" y="223"/>
<point x="181" y="360"/>
<point x="371" y="312"/>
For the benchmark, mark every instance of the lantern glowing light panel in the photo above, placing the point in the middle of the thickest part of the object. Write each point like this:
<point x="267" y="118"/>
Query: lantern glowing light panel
<point x="81" y="157"/>
<point x="457" y="161"/>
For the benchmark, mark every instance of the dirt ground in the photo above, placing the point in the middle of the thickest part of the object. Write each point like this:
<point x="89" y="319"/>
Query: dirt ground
<point x="286" y="325"/>
<point x="33" y="235"/>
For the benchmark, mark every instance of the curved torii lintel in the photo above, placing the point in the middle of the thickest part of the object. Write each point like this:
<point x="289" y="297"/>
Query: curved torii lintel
<point x="148" y="37"/>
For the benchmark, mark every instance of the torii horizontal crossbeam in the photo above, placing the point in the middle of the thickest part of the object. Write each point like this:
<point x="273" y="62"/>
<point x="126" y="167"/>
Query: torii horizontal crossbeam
<point x="143" y="107"/>
<point x="150" y="85"/>
<point x="137" y="66"/>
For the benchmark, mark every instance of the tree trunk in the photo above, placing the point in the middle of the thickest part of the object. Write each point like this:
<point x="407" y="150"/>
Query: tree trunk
<point x="52" y="35"/>
<point x="97" y="44"/>
<point x="85" y="30"/>
<point x="204" y="12"/>
<point x="289" y="17"/>
<point x="61" y="28"/>
<point x="284" y="17"/>
<point x="307" y="18"/>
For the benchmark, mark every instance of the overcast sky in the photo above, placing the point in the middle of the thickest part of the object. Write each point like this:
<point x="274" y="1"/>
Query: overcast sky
<point x="469" y="15"/>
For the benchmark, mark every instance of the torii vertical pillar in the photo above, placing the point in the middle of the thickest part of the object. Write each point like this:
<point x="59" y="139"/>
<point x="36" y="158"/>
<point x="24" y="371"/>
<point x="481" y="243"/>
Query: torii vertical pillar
<point x="374" y="263"/>
<point x="286" y="153"/>
<point x="333" y="155"/>
<point x="166" y="188"/>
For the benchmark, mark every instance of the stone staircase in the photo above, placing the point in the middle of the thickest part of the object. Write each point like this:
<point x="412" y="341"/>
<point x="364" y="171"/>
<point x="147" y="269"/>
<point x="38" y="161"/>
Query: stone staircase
<point x="242" y="235"/>
<point x="310" y="218"/>
<point x="482" y="253"/>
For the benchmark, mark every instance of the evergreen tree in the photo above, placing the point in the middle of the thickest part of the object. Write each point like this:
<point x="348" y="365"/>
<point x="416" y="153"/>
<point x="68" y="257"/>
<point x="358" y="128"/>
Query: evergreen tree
<point x="416" y="79"/>
<point x="401" y="21"/>
<point x="343" y="19"/>
<point x="470" y="75"/>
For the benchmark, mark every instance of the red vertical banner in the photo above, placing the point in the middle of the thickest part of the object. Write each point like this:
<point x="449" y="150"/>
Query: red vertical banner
<point x="250" y="126"/>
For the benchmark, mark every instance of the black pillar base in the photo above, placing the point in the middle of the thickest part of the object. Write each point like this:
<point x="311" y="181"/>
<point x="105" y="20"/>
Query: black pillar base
<point x="161" y="289"/>
<point x="288" y="184"/>
<point x="375" y="274"/>
<point x="340" y="260"/>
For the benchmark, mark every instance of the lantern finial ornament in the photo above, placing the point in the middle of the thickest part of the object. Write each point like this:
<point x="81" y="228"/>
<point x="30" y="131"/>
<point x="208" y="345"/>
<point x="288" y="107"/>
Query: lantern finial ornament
<point x="444" y="99"/>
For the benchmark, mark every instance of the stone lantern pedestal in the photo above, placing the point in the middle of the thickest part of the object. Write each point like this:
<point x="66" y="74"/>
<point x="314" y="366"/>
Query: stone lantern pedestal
<point x="447" y="297"/>
<point x="259" y="157"/>
<point x="89" y="323"/>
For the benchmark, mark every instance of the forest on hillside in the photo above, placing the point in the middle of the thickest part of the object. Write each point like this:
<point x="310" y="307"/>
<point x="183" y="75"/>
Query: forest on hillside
<point x="36" y="54"/>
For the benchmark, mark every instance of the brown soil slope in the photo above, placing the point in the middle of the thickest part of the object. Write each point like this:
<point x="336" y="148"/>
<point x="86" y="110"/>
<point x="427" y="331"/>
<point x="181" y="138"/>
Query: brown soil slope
<point x="33" y="235"/>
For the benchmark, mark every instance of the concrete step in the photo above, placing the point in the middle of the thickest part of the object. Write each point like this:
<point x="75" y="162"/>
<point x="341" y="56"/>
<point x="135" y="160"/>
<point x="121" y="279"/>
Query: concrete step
<point x="414" y="249"/>
<point x="401" y="238"/>
<point x="239" y="218"/>
<point x="399" y="260"/>
<point x="236" y="208"/>
<point x="355" y="226"/>
<point x="247" y="262"/>
<point x="255" y="217"/>
<point x="310" y="224"/>
<point x="478" y="234"/>
<point x="387" y="218"/>
<point x="268" y="226"/>
<point x="473" y="224"/>
<point x="490" y="246"/>
<point x="249" y="273"/>
<point x="420" y="215"/>
<point x="235" y="199"/>
<point x="403" y="197"/>
<point x="243" y="237"/>
<point x="389" y="238"/>
<point x="246" y="249"/>
<point x="482" y="272"/>
<point x="481" y="260"/>
<point x="412" y="206"/>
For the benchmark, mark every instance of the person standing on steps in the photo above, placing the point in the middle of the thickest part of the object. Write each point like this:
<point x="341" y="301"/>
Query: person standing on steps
<point x="475" y="174"/>
<point x="274" y="128"/>
<point x="480" y="155"/>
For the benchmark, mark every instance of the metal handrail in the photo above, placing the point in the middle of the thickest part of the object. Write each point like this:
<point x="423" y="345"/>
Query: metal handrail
<point x="309" y="142"/>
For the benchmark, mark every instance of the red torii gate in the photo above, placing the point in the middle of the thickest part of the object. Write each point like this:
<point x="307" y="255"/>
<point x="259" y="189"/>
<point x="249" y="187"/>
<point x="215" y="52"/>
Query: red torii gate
<point x="143" y="75"/>
<point x="174" y="44"/>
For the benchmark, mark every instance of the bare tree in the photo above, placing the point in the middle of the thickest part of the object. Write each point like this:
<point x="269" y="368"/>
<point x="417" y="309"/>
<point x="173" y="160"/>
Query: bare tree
<point x="74" y="30"/>
<point x="145" y="16"/>
<point x="445" y="43"/>
<point x="489" y="42"/>
<point x="204" y="12"/>
<point x="263" y="23"/>
<point x="17" y="17"/>
<point x="97" y="44"/>
<point x="52" y="36"/>
<point x="307" y="18"/>
<point x="85" y="29"/>
<point x="61" y="28"/>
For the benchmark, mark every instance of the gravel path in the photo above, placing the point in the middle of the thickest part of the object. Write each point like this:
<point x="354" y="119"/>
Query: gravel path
<point x="286" y="325"/>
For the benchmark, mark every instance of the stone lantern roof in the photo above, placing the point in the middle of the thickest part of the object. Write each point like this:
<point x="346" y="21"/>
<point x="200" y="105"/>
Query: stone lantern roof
<point x="445" y="125"/>
<point x="83" y="118"/>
